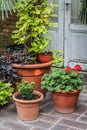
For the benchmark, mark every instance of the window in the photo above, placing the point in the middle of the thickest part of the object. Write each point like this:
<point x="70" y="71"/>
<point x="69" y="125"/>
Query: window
<point x="75" y="11"/>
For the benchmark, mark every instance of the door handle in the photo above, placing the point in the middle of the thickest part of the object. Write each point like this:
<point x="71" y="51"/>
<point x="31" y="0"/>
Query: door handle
<point x="67" y="5"/>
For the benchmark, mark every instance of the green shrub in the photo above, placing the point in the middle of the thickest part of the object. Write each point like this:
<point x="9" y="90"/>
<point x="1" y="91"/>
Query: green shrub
<point x="25" y="89"/>
<point x="5" y="92"/>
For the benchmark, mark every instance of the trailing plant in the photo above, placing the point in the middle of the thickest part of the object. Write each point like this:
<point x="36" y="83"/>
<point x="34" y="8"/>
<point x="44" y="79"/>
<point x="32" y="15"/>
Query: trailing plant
<point x="83" y="11"/>
<point x="5" y="92"/>
<point x="25" y="89"/>
<point x="32" y="25"/>
<point x="60" y="79"/>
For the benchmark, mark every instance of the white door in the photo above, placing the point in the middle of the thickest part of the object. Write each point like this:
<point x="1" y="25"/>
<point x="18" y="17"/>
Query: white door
<point x="69" y="35"/>
<point x="75" y="50"/>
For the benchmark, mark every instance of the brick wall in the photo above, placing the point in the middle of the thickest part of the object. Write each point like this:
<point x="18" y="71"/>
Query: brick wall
<point x="6" y="27"/>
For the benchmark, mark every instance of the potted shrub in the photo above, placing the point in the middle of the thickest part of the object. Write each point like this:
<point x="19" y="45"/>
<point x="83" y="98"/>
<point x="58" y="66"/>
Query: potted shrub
<point x="31" y="31"/>
<point x="65" y="85"/>
<point x="5" y="92"/>
<point x="27" y="101"/>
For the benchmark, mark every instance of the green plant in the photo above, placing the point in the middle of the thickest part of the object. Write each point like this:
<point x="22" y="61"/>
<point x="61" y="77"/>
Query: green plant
<point x="83" y="11"/>
<point x="57" y="58"/>
<point x="25" y="89"/>
<point x="5" y="92"/>
<point x="60" y="79"/>
<point x="32" y="25"/>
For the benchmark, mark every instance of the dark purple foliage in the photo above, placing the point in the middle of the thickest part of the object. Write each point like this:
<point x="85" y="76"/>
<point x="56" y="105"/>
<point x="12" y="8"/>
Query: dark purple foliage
<point x="7" y="72"/>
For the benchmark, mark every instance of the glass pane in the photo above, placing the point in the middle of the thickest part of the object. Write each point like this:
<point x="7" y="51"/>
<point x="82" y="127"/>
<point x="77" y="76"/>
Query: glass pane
<point x="75" y="11"/>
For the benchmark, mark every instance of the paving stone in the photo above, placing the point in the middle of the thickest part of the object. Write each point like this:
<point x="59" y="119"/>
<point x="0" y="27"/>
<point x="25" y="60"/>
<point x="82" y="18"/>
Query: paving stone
<point x="47" y="99"/>
<point x="8" y="114"/>
<point x="74" y="129"/>
<point x="38" y="128"/>
<point x="72" y="116"/>
<point x="85" y="113"/>
<point x="59" y="127"/>
<point x="2" y="128"/>
<point x="83" y="119"/>
<point x="82" y="101"/>
<point x="80" y="109"/>
<point x="50" y="118"/>
<point x="40" y="123"/>
<point x="73" y="123"/>
<point x="47" y="108"/>
<point x="15" y="126"/>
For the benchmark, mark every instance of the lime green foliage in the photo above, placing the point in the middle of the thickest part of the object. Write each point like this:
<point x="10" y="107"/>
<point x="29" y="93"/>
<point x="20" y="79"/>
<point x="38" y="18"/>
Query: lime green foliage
<point x="32" y="25"/>
<point x="25" y="89"/>
<point x="57" y="58"/>
<point x="58" y="79"/>
<point x="5" y="92"/>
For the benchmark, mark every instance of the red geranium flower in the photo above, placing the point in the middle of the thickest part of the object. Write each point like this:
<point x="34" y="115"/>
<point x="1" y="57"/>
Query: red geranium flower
<point x="68" y="69"/>
<point x="77" y="67"/>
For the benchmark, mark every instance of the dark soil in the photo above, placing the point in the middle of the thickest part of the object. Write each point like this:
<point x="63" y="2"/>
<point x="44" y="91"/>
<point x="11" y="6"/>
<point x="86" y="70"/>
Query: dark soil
<point x="34" y="96"/>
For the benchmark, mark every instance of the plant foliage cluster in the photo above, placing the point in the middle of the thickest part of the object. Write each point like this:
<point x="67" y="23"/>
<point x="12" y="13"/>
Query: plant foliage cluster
<point x="60" y="79"/>
<point x="32" y="25"/>
<point x="5" y="92"/>
<point x="7" y="72"/>
<point x="25" y="89"/>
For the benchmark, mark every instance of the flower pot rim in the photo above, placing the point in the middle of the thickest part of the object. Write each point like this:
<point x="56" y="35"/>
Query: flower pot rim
<point x="48" y="53"/>
<point x="40" y="65"/>
<point x="72" y="92"/>
<point x="29" y="101"/>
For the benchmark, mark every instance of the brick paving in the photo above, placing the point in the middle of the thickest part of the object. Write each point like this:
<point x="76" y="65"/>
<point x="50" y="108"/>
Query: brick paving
<point x="48" y="118"/>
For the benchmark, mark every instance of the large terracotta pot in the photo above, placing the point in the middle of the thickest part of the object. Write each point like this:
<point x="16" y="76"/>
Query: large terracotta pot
<point x="28" y="109"/>
<point x="34" y="73"/>
<point x="65" y="102"/>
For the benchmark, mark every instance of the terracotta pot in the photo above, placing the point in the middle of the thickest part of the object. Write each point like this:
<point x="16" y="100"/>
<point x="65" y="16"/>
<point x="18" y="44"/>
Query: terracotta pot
<point x="34" y="73"/>
<point x="45" y="57"/>
<point x="28" y="109"/>
<point x="65" y="102"/>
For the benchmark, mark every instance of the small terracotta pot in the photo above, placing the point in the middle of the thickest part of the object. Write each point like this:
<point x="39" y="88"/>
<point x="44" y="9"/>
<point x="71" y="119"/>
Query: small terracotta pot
<point x="28" y="109"/>
<point x="45" y="57"/>
<point x="65" y="102"/>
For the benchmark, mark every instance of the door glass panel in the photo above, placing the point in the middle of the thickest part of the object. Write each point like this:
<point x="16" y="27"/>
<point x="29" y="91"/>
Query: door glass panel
<point x="75" y="11"/>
